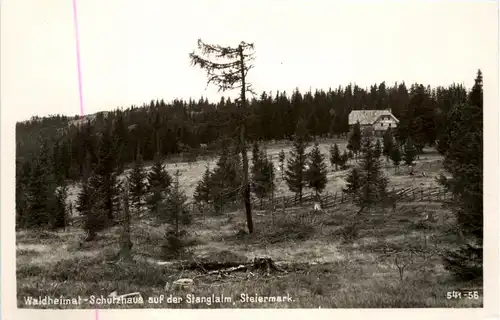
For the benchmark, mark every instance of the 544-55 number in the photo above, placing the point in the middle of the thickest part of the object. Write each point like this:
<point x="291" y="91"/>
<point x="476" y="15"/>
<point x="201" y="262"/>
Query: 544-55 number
<point x="472" y="295"/>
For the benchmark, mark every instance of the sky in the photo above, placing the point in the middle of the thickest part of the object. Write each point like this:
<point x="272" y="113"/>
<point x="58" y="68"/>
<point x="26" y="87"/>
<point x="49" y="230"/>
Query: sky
<point x="133" y="51"/>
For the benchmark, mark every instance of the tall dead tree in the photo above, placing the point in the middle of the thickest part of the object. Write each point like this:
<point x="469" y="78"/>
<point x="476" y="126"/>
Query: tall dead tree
<point x="227" y="68"/>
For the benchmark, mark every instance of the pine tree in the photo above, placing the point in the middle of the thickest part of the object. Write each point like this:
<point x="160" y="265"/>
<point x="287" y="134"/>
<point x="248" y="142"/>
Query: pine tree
<point x="255" y="153"/>
<point x="281" y="160"/>
<point x="106" y="172"/>
<point x="396" y="156"/>
<point x="343" y="159"/>
<point x="373" y="184"/>
<point x="59" y="218"/>
<point x="294" y="174"/>
<point x="353" y="182"/>
<point x="158" y="184"/>
<point x="202" y="191"/>
<point x="317" y="170"/>
<point x="90" y="203"/>
<point x="354" y="142"/>
<point x="388" y="144"/>
<point x="335" y="158"/>
<point x="226" y="179"/>
<point x="137" y="185"/>
<point x="256" y="161"/>
<point x="177" y="215"/>
<point x="263" y="177"/>
<point x="464" y="161"/>
<point x="409" y="153"/>
<point x="40" y="191"/>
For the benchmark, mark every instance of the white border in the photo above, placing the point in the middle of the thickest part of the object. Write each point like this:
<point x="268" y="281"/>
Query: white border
<point x="491" y="239"/>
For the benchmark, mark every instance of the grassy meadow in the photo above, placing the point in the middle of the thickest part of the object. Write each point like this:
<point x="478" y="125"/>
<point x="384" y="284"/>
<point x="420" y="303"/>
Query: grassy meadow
<point x="394" y="262"/>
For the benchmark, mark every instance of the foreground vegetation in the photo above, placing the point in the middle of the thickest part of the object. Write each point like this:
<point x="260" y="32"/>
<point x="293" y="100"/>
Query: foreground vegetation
<point x="323" y="268"/>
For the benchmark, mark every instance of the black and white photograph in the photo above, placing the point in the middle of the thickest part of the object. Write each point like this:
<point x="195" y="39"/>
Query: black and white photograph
<point x="249" y="155"/>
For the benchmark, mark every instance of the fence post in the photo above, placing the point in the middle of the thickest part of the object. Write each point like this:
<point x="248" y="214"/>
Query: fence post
<point x="422" y="194"/>
<point x="342" y="196"/>
<point x="335" y="197"/>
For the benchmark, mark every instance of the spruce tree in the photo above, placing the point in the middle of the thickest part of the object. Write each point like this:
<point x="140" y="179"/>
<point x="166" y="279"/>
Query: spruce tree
<point x="106" y="172"/>
<point x="373" y="184"/>
<point x="335" y="158"/>
<point x="409" y="152"/>
<point x="316" y="173"/>
<point x="59" y="218"/>
<point x="281" y="159"/>
<point x="343" y="159"/>
<point x="137" y="185"/>
<point x="294" y="174"/>
<point x="226" y="179"/>
<point x="202" y="190"/>
<point x="388" y="144"/>
<point x="40" y="191"/>
<point x="263" y="177"/>
<point x="176" y="215"/>
<point x="354" y="142"/>
<point x="396" y="156"/>
<point x="353" y="181"/>
<point x="255" y="153"/>
<point x="158" y="184"/>
<point x="256" y="161"/>
<point x="90" y="203"/>
<point x="464" y="161"/>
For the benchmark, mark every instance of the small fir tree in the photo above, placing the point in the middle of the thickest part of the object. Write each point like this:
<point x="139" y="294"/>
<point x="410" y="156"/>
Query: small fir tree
<point x="354" y="143"/>
<point x="158" y="185"/>
<point x="373" y="183"/>
<point x="353" y="181"/>
<point x="281" y="160"/>
<point x="177" y="216"/>
<point x="317" y="170"/>
<point x="410" y="153"/>
<point x="137" y="185"/>
<point x="263" y="177"/>
<point x="295" y="171"/>
<point x="396" y="156"/>
<point x="335" y="157"/>
<point x="202" y="191"/>
<point x="388" y="141"/>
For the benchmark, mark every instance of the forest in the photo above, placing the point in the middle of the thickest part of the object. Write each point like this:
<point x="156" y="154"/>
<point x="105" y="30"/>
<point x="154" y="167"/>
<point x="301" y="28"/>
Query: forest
<point x="117" y="161"/>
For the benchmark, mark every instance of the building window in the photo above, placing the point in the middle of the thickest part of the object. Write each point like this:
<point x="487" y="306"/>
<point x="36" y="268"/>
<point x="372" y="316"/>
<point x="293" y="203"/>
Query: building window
<point x="381" y="124"/>
<point x="389" y="125"/>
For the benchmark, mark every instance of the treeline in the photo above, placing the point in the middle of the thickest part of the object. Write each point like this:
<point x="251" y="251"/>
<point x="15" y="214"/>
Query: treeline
<point x="182" y="126"/>
<point x="97" y="152"/>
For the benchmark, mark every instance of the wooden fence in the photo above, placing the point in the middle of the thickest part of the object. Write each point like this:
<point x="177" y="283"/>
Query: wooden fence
<point x="331" y="199"/>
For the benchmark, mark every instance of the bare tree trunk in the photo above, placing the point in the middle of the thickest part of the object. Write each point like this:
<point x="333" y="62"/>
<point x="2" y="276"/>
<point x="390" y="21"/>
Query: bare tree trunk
<point x="244" y="156"/>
